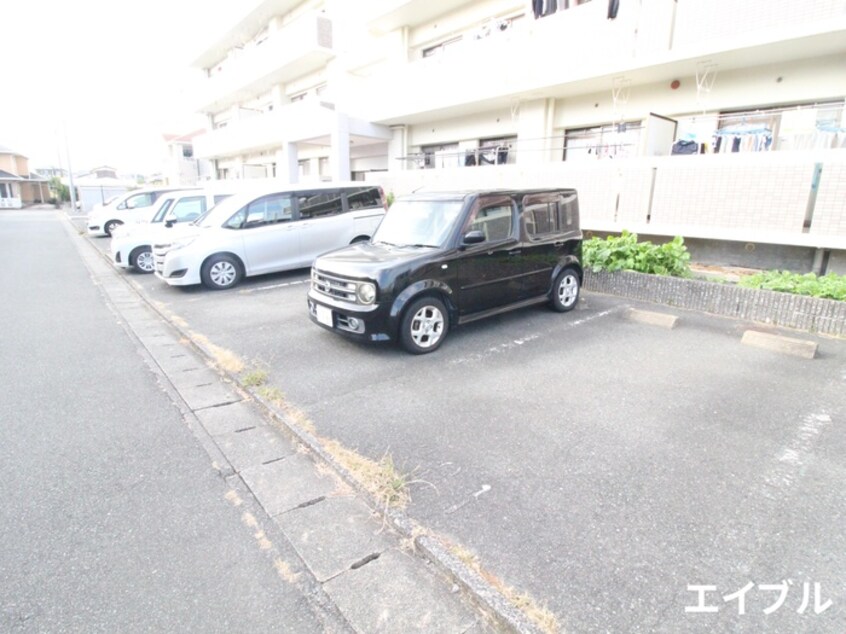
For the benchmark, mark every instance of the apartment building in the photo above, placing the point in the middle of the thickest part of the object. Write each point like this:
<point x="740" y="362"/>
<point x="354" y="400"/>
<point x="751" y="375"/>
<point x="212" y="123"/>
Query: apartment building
<point x="721" y="120"/>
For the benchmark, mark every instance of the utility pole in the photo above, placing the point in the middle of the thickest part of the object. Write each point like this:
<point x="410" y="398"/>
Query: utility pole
<point x="70" y="173"/>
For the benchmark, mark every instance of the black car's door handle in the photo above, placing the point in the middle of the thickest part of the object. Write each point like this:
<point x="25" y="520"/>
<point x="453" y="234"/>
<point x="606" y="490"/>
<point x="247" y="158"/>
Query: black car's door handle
<point x="515" y="252"/>
<point x="560" y="243"/>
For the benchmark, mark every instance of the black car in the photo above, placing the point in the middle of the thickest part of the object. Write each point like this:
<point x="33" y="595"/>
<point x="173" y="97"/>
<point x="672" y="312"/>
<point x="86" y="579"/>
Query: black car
<point x="442" y="259"/>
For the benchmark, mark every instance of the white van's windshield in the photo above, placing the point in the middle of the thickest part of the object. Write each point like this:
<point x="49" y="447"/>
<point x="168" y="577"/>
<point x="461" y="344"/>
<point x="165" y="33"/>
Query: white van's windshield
<point x="418" y="223"/>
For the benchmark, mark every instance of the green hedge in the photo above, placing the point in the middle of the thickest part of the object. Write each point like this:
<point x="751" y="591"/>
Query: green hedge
<point x="828" y="286"/>
<point x="626" y="253"/>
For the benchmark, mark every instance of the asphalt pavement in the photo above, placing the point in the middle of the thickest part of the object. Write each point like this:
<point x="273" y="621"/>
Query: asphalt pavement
<point x="631" y="478"/>
<point x="111" y="515"/>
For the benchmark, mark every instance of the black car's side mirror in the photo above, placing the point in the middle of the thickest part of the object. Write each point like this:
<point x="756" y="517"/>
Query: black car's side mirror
<point x="474" y="237"/>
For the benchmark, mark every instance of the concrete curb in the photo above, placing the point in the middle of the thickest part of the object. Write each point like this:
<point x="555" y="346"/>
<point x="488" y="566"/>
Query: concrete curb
<point x="661" y="320"/>
<point x="783" y="345"/>
<point x="809" y="314"/>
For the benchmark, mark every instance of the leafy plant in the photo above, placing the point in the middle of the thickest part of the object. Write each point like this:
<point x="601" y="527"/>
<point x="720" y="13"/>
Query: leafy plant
<point x="829" y="286"/>
<point x="624" y="252"/>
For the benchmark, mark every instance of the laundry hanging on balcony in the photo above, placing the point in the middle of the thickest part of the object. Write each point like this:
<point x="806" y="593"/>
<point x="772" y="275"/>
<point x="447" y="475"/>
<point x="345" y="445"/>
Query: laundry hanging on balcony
<point x="743" y="137"/>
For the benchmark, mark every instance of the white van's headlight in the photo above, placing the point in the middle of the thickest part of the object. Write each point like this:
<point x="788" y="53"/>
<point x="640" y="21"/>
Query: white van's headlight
<point x="366" y="293"/>
<point x="181" y="244"/>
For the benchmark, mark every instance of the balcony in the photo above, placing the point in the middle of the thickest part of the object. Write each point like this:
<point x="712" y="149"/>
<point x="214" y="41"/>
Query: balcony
<point x="291" y="123"/>
<point x="302" y="47"/>
<point x="388" y="15"/>
<point x="547" y="57"/>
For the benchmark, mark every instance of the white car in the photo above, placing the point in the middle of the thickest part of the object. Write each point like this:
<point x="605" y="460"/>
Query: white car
<point x="133" y="206"/>
<point x="131" y="245"/>
<point x="275" y="229"/>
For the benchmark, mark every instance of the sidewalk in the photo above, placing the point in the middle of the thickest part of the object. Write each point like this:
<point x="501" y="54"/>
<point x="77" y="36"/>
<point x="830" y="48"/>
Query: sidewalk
<point x="367" y="566"/>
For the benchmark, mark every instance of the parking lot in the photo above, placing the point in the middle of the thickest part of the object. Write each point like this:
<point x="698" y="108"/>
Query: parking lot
<point x="601" y="465"/>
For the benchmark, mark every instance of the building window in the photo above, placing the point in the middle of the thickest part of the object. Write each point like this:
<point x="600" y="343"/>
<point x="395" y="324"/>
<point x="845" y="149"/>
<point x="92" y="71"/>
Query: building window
<point x="606" y="141"/>
<point x="442" y="47"/>
<point x="437" y="156"/>
<point x="187" y="151"/>
<point x="304" y="167"/>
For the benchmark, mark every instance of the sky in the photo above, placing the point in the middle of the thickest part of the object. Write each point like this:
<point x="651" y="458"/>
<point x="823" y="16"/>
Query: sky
<point x="102" y="80"/>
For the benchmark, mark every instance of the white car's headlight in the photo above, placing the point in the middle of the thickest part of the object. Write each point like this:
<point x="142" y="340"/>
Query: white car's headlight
<point x="366" y="293"/>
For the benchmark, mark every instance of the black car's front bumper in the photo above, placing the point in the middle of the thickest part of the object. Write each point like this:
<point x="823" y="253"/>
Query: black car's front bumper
<point x="364" y="323"/>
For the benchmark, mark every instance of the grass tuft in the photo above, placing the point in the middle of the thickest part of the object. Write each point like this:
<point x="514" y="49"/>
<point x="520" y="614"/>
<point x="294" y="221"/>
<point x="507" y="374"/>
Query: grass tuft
<point x="540" y="615"/>
<point x="254" y="378"/>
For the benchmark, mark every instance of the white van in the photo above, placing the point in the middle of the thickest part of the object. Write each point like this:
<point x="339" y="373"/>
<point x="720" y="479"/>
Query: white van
<point x="276" y="229"/>
<point x="131" y="245"/>
<point x="133" y="206"/>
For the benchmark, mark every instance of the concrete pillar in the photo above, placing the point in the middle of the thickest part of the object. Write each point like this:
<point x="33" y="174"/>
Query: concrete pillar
<point x="397" y="148"/>
<point x="339" y="153"/>
<point x="534" y="132"/>
<point x="287" y="167"/>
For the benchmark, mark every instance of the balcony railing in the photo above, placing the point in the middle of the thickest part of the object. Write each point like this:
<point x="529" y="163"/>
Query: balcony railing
<point x="295" y="50"/>
<point x="388" y="15"/>
<point x="300" y="120"/>
<point x="647" y="45"/>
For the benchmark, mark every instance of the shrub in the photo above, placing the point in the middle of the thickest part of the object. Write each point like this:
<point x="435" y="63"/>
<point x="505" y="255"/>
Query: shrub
<point x="626" y="253"/>
<point x="829" y="286"/>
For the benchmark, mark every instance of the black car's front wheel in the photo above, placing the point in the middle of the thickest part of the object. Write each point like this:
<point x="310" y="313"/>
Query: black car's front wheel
<point x="424" y="325"/>
<point x="565" y="290"/>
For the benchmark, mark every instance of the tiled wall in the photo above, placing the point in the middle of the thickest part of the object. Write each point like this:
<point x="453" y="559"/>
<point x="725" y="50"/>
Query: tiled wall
<point x="830" y="208"/>
<point x="730" y="196"/>
<point x="702" y="195"/>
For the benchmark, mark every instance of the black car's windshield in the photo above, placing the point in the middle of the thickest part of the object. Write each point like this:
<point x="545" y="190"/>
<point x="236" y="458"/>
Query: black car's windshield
<point x="418" y="223"/>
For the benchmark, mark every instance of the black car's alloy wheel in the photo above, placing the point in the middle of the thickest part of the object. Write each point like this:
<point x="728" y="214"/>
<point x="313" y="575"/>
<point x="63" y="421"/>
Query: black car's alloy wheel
<point x="565" y="290"/>
<point x="424" y="325"/>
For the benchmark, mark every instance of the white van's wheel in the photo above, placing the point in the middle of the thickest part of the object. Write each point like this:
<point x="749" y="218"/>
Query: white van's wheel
<point x="110" y="226"/>
<point x="142" y="260"/>
<point x="220" y="272"/>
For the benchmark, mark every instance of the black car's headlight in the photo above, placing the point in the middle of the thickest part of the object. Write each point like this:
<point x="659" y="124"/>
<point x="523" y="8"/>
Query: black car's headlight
<point x="366" y="292"/>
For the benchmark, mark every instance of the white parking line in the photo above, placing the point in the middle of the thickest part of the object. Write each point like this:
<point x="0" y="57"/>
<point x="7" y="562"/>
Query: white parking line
<point x="788" y="464"/>
<point x="272" y="286"/>
<point x="516" y="343"/>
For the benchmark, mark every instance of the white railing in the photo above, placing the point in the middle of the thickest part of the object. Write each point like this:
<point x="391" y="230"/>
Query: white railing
<point x="10" y="203"/>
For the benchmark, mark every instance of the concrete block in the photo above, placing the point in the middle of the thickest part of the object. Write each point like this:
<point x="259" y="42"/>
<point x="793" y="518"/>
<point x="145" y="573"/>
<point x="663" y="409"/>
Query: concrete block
<point x="229" y="418"/>
<point x="211" y="394"/>
<point x="662" y="320"/>
<point x="777" y="343"/>
<point x="284" y="485"/>
<point x="253" y="447"/>
<point x="402" y="596"/>
<point x="334" y="534"/>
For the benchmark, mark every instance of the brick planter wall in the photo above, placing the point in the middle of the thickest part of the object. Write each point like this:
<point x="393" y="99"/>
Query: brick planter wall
<point x="824" y="316"/>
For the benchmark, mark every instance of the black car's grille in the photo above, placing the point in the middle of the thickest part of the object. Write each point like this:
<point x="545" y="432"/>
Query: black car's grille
<point x="333" y="286"/>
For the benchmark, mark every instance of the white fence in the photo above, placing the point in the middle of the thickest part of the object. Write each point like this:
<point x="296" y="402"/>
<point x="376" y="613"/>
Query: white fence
<point x="792" y="198"/>
<point x="10" y="203"/>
